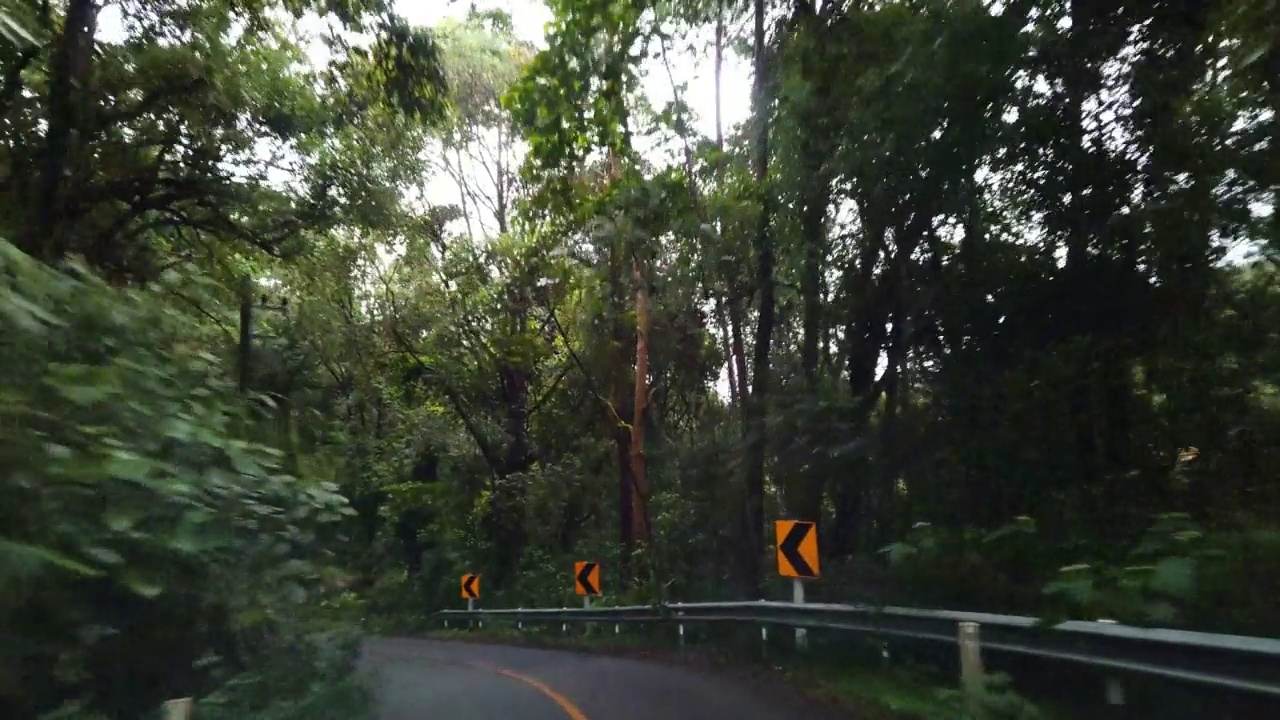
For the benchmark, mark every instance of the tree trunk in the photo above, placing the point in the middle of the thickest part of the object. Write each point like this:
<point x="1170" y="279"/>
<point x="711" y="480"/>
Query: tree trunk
<point x="639" y="472"/>
<point x="72" y="65"/>
<point x="737" y="359"/>
<point x="753" y="506"/>
<point x="245" y="350"/>
<point x="507" y="506"/>
<point x="620" y="407"/>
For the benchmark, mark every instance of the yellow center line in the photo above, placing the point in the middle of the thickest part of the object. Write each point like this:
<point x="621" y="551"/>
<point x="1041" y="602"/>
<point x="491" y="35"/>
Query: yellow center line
<point x="568" y="707"/>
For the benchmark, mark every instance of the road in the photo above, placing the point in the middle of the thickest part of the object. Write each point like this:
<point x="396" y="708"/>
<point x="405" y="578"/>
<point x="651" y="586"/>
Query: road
<point x="426" y="680"/>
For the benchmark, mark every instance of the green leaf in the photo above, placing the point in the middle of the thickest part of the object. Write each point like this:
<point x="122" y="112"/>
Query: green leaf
<point x="242" y="462"/>
<point x="15" y="33"/>
<point x="26" y="314"/>
<point x="118" y="521"/>
<point x="106" y="556"/>
<point x="1079" y="590"/>
<point x="16" y="555"/>
<point x="127" y="465"/>
<point x="85" y="395"/>
<point x="1174" y="577"/>
<point x="141" y="586"/>
<point x="898" y="552"/>
<point x="1161" y="611"/>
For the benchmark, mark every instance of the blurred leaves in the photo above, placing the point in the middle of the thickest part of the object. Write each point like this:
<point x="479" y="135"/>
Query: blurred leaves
<point x="125" y="460"/>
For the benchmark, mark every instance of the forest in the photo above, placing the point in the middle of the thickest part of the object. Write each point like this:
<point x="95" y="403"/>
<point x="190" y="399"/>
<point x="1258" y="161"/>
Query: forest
<point x="988" y="289"/>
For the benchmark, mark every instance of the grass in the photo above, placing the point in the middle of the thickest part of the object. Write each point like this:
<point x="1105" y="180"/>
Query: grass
<point x="893" y="694"/>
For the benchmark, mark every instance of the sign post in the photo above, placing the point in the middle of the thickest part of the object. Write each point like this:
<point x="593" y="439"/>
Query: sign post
<point x="797" y="597"/>
<point x="586" y="582"/>
<point x="797" y="556"/>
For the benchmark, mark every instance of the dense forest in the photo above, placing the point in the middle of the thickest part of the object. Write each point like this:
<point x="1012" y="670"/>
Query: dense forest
<point x="984" y="287"/>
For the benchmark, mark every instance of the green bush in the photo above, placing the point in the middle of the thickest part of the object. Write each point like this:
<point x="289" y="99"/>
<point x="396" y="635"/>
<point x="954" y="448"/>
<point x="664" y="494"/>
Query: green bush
<point x="145" y="525"/>
<point x="308" y="678"/>
<point x="994" y="700"/>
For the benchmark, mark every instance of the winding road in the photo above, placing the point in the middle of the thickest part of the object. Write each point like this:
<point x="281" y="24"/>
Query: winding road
<point x="433" y="680"/>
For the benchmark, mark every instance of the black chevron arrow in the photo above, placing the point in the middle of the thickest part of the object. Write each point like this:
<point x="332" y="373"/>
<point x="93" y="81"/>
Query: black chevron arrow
<point x="584" y="578"/>
<point x="468" y="584"/>
<point x="790" y="548"/>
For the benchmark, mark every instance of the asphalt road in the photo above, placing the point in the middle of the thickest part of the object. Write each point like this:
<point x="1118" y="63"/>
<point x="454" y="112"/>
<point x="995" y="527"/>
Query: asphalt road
<point x="426" y="680"/>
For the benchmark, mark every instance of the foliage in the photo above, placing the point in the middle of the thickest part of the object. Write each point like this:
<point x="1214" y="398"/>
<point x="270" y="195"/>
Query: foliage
<point x="164" y="533"/>
<point x="135" y="487"/>
<point x="314" y="677"/>
<point x="995" y="700"/>
<point x="984" y="285"/>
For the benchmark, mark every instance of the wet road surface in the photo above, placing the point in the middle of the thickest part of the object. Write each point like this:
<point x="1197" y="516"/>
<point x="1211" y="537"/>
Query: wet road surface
<point x="433" y="680"/>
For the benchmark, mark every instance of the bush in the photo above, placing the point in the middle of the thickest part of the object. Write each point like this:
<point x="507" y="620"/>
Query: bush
<point x="307" y="678"/>
<point x="140" y="500"/>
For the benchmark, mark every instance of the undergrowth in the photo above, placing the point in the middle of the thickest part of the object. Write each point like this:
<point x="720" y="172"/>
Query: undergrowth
<point x="312" y="678"/>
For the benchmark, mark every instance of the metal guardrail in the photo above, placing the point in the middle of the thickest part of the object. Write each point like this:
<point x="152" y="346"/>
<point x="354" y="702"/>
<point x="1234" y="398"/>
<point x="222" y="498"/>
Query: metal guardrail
<point x="1235" y="662"/>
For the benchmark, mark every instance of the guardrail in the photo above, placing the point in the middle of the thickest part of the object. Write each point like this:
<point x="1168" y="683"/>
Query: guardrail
<point x="1235" y="662"/>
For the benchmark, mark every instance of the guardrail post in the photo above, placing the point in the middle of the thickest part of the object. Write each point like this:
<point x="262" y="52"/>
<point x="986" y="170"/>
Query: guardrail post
<point x="797" y="597"/>
<point x="177" y="709"/>
<point x="680" y="630"/>
<point x="519" y="618"/>
<point x="1115" y="691"/>
<point x="970" y="656"/>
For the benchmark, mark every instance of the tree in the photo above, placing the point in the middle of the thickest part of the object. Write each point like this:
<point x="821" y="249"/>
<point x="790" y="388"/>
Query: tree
<point x="977" y="275"/>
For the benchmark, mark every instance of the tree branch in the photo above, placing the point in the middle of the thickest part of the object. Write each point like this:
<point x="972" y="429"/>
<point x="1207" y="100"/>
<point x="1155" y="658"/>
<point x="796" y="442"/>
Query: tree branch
<point x="487" y="450"/>
<point x="583" y="369"/>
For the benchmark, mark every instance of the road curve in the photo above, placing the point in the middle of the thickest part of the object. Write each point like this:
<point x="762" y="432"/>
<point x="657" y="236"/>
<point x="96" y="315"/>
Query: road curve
<point x="425" y="680"/>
